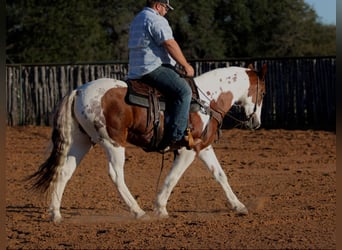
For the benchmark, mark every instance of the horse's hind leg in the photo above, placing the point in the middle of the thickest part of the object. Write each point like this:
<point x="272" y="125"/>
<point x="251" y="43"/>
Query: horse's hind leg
<point x="78" y="148"/>
<point x="116" y="158"/>
<point x="208" y="156"/>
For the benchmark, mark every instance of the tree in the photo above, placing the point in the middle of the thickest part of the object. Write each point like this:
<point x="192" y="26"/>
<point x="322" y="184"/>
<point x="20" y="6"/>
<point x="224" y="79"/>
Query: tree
<point x="270" y="28"/>
<point x="235" y="21"/>
<point x="55" y="31"/>
<point x="115" y="17"/>
<point x="294" y="28"/>
<point x="196" y="29"/>
<point x="93" y="30"/>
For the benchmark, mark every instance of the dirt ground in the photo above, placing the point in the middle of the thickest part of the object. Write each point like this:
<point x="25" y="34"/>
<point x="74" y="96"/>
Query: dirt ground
<point x="287" y="179"/>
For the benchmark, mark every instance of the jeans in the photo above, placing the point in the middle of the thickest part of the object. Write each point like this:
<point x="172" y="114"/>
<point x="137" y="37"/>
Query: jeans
<point x="178" y="97"/>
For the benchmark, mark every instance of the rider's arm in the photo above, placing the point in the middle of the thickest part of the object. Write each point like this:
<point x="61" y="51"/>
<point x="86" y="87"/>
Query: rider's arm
<point x="174" y="50"/>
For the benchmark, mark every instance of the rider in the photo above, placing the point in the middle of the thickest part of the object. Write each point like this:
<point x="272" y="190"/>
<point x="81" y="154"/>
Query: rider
<point x="153" y="53"/>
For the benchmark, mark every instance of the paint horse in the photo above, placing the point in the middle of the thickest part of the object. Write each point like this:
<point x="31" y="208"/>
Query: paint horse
<point x="97" y="113"/>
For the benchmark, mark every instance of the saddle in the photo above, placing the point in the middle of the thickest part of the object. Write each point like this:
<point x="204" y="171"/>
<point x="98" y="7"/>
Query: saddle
<point x="141" y="94"/>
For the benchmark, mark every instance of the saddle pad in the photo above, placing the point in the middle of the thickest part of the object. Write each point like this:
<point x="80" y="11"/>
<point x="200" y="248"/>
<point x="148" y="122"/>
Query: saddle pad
<point x="138" y="93"/>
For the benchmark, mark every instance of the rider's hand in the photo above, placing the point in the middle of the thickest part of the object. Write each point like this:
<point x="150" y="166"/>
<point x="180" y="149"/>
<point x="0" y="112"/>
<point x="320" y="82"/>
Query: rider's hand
<point x="189" y="70"/>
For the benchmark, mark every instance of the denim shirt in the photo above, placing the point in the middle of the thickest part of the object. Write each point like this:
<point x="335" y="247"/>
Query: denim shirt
<point x="147" y="33"/>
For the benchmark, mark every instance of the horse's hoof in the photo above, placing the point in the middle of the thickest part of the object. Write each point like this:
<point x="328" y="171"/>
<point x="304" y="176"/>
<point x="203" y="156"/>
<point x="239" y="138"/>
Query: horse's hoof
<point x="162" y="216"/>
<point x="161" y="213"/>
<point x="144" y="217"/>
<point x="139" y="215"/>
<point x="56" y="219"/>
<point x="241" y="211"/>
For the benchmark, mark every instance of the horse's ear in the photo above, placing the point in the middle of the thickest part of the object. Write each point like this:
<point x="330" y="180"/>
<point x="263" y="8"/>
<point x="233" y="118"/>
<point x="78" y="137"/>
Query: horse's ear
<point x="250" y="66"/>
<point x="263" y="71"/>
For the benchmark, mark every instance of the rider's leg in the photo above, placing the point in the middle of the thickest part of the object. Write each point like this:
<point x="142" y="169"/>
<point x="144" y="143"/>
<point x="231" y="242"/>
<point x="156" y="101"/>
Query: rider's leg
<point x="178" y="93"/>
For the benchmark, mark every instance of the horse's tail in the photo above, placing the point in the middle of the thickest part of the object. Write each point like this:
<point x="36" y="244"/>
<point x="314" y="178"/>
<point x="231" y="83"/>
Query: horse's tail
<point x="44" y="177"/>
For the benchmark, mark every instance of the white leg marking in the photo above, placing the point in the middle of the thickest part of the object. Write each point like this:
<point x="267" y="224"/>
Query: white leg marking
<point x="76" y="152"/>
<point x="180" y="164"/>
<point x="116" y="158"/>
<point x="208" y="156"/>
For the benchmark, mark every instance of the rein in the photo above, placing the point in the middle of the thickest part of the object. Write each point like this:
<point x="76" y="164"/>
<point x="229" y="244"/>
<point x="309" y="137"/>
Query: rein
<point x="160" y="173"/>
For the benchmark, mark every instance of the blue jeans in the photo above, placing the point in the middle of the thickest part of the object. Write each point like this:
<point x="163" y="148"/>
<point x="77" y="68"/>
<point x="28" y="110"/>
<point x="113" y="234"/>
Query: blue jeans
<point x="178" y="97"/>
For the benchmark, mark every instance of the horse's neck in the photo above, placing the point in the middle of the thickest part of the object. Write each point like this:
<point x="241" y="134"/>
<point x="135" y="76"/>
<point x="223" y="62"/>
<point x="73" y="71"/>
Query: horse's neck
<point x="212" y="86"/>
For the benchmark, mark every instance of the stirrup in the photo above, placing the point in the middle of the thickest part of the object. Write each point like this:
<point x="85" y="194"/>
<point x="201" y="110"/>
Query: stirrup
<point x="189" y="138"/>
<point x="187" y="141"/>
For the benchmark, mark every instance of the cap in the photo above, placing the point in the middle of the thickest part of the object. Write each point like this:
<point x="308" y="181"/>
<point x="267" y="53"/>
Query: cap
<point x="167" y="2"/>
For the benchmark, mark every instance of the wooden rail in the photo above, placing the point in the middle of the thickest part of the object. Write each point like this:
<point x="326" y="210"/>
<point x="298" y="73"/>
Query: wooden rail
<point x="300" y="91"/>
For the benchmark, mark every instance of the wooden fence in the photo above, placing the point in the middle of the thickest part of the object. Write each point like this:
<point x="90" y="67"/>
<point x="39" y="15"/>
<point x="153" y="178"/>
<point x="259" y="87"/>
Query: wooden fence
<point x="300" y="91"/>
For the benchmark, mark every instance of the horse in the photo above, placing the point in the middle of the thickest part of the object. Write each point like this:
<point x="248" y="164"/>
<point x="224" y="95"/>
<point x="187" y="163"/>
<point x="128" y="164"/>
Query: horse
<point x="97" y="113"/>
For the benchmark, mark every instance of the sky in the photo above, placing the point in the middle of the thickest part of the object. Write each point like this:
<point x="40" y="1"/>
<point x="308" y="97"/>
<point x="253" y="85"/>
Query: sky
<point x="325" y="9"/>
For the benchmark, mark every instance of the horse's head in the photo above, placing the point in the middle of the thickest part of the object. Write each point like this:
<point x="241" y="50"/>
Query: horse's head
<point x="252" y="102"/>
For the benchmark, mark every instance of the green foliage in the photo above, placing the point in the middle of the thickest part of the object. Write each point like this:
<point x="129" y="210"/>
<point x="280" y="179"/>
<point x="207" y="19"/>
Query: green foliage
<point x="93" y="30"/>
<point x="196" y="29"/>
<point x="52" y="31"/>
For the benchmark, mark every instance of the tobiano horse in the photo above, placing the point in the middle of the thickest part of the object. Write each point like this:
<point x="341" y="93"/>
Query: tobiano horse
<point x="97" y="113"/>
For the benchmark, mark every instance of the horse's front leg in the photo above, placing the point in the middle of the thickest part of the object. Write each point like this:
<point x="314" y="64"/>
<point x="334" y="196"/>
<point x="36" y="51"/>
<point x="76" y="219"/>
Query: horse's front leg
<point x="208" y="156"/>
<point x="181" y="163"/>
<point x="116" y="157"/>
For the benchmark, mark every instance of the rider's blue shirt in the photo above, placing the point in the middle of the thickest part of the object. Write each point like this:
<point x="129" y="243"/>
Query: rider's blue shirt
<point x="147" y="33"/>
